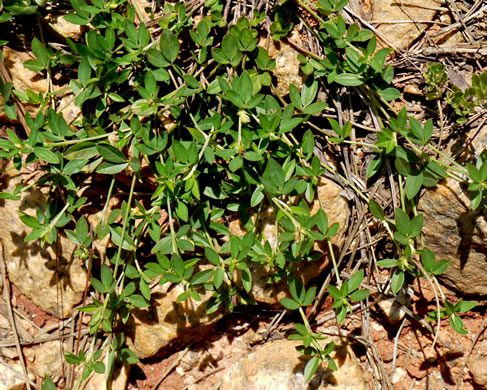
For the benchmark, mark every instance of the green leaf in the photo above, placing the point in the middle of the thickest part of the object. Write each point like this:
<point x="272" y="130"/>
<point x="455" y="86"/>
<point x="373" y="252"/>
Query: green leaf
<point x="310" y="296"/>
<point x="397" y="281"/>
<point x="387" y="263"/>
<point x="402" y="222"/>
<point x="111" y="154"/>
<point x="245" y="87"/>
<point x="341" y="314"/>
<point x="359" y="295"/>
<point x="47" y="383"/>
<point x="376" y="209"/>
<point x="315" y="108"/>
<point x="74" y="166"/>
<point x="274" y="172"/>
<point x="348" y="79"/>
<point x="289" y="303"/>
<point x="107" y="168"/>
<point x="46" y="155"/>
<point x="321" y="221"/>
<point x="389" y="94"/>
<point x="98" y="286"/>
<point x="466" y="306"/>
<point x="335" y="292"/>
<point x="457" y="324"/>
<point x="144" y="289"/>
<point x="138" y="301"/>
<point x="416" y="225"/>
<point x="202" y="277"/>
<point x="295" y="96"/>
<point x="257" y="196"/>
<point x="246" y="279"/>
<point x="40" y="51"/>
<point x="128" y="356"/>
<point x="441" y="267"/>
<point x="182" y="211"/>
<point x="474" y="173"/>
<point x="106" y="276"/>
<point x="218" y="278"/>
<point x="212" y="256"/>
<point x="311" y="367"/>
<point x="309" y="91"/>
<point x="413" y="185"/>
<point x="308" y="143"/>
<point x="297" y="290"/>
<point x="428" y="260"/>
<point x="355" y="280"/>
<point x="236" y="164"/>
<point x="116" y="236"/>
<point x="169" y="45"/>
<point x="374" y="166"/>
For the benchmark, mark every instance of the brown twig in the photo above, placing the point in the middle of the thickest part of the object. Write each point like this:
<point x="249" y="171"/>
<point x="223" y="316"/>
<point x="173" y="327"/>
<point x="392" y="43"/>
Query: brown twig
<point x="172" y="367"/>
<point x="6" y="296"/>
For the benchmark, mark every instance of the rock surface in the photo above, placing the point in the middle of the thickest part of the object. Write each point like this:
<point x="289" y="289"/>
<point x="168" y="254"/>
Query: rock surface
<point x="12" y="377"/>
<point x="46" y="359"/>
<point x="453" y="231"/>
<point x="118" y="381"/>
<point x="337" y="210"/>
<point x="478" y="369"/>
<point x="151" y="329"/>
<point x="383" y="12"/>
<point x="278" y="365"/>
<point x="33" y="269"/>
<point x="287" y="70"/>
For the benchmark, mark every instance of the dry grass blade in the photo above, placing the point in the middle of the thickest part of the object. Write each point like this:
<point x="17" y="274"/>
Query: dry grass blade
<point x="6" y="296"/>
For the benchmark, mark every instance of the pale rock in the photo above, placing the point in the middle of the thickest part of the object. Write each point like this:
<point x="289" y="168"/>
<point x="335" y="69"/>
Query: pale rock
<point x="47" y="358"/>
<point x="166" y="321"/>
<point x="117" y="382"/>
<point x="398" y="375"/>
<point x="478" y="369"/>
<point x="392" y="307"/>
<point x="70" y="111"/>
<point x="453" y="231"/>
<point x="64" y="28"/>
<point x="31" y="268"/>
<point x="336" y="208"/>
<point x="23" y="78"/>
<point x="12" y="377"/>
<point x="382" y="12"/>
<point x="278" y="365"/>
<point x="287" y="70"/>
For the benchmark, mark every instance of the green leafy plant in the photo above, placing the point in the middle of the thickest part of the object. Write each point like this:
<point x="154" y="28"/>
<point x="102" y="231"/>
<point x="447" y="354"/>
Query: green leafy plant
<point x="183" y="125"/>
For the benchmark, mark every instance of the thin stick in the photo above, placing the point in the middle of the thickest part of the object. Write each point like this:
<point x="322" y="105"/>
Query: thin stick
<point x="477" y="336"/>
<point x="6" y="296"/>
<point x="172" y="367"/>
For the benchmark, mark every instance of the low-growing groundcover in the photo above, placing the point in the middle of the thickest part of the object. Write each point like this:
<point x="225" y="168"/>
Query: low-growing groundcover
<point x="182" y="120"/>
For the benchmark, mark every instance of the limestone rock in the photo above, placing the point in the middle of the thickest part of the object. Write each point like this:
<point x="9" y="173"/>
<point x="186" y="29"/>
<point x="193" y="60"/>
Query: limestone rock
<point x="287" y="70"/>
<point x="337" y="210"/>
<point x="47" y="359"/>
<point x="33" y="269"/>
<point x="278" y="365"/>
<point x="64" y="28"/>
<point x="453" y="231"/>
<point x="381" y="12"/>
<point x="118" y="381"/>
<point x="165" y="321"/>
<point x="478" y="369"/>
<point x="22" y="78"/>
<point x="392" y="307"/>
<point x="12" y="377"/>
